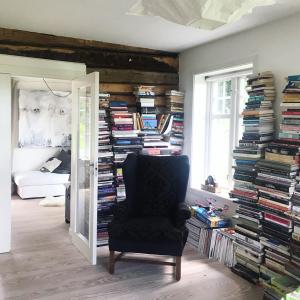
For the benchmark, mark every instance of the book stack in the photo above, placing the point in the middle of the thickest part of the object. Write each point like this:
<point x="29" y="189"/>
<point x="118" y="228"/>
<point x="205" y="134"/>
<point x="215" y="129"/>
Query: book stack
<point x="175" y="106"/>
<point x="199" y="236"/>
<point x="147" y="122"/>
<point x="293" y="269"/>
<point x="222" y="247"/>
<point x="210" y="216"/>
<point x="289" y="132"/>
<point x="125" y="140"/>
<point x="295" y="295"/>
<point x="290" y="125"/>
<point x="279" y="287"/>
<point x="258" y="121"/>
<point x="106" y="185"/>
<point x="276" y="183"/>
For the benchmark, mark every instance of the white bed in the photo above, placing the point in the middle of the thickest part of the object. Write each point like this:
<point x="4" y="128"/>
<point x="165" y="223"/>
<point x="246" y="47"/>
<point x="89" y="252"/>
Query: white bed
<point x="36" y="184"/>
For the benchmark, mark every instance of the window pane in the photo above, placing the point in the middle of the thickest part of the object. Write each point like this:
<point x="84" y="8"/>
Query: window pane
<point x="221" y="97"/>
<point x="228" y="88"/>
<point x="243" y="94"/>
<point x="219" y="150"/>
<point x="220" y="88"/>
<point x="242" y="101"/>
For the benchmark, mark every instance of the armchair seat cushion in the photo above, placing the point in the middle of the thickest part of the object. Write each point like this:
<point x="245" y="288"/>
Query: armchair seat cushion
<point x="146" y="229"/>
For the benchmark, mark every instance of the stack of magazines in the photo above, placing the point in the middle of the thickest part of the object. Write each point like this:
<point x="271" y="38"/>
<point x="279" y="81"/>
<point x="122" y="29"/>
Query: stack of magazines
<point x="222" y="246"/>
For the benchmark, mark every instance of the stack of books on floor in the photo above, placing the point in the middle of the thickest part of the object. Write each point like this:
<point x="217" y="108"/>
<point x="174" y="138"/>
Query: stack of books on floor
<point x="199" y="235"/>
<point x="106" y="184"/>
<point x="222" y="246"/>
<point x="258" y="121"/>
<point x="290" y="126"/>
<point x="278" y="191"/>
<point x="201" y="225"/>
<point x="294" y="268"/>
<point x="147" y="122"/>
<point x="125" y="140"/>
<point x="175" y="106"/>
<point x="276" y="183"/>
<point x="281" y="287"/>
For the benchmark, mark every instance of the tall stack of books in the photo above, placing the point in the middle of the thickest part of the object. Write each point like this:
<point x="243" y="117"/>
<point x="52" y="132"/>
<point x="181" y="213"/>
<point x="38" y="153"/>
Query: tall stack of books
<point x="290" y="130"/>
<point x="106" y="184"/>
<point x="125" y="140"/>
<point x="147" y="121"/>
<point x="258" y="121"/>
<point x="175" y="106"/>
<point x="277" y="183"/>
<point x="293" y="269"/>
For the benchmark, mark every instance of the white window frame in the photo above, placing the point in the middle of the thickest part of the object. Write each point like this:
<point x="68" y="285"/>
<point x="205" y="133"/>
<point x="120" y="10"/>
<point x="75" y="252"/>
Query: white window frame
<point x="234" y="117"/>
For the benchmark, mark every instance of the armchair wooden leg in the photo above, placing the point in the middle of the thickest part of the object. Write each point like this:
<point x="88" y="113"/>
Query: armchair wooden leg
<point x="111" y="267"/>
<point x="178" y="268"/>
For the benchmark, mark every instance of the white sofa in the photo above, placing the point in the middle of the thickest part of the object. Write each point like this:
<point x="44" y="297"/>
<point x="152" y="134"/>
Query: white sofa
<point x="36" y="184"/>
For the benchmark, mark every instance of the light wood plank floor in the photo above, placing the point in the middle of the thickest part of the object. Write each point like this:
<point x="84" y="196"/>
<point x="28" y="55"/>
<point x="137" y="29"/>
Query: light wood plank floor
<point x="44" y="264"/>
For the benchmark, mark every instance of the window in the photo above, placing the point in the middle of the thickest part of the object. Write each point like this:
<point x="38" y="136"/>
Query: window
<point x="220" y="127"/>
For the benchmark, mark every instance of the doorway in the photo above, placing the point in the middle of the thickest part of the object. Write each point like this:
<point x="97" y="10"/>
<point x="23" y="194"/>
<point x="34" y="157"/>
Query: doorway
<point x="15" y="67"/>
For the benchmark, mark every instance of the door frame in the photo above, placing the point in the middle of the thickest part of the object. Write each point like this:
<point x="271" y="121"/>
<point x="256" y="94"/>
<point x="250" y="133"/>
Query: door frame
<point x="15" y="66"/>
<point x="87" y="248"/>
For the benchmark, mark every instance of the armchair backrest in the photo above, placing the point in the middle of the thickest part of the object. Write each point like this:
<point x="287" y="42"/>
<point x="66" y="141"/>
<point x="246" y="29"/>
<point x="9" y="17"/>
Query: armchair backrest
<point x="155" y="184"/>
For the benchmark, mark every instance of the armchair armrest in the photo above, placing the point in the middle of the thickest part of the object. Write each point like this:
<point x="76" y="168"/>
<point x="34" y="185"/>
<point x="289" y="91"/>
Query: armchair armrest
<point x="182" y="213"/>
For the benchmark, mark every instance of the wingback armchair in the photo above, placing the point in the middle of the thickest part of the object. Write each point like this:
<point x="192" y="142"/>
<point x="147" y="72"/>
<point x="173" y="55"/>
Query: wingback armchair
<point x="152" y="218"/>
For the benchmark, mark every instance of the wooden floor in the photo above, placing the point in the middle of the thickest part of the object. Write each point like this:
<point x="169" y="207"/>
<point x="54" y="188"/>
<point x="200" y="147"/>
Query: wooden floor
<point x="44" y="264"/>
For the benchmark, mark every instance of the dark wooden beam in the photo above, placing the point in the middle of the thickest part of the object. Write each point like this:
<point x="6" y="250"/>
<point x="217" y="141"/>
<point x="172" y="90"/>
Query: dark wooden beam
<point x="95" y="58"/>
<point x="13" y="36"/>
<point x="127" y="88"/>
<point x="136" y="77"/>
<point x="93" y="54"/>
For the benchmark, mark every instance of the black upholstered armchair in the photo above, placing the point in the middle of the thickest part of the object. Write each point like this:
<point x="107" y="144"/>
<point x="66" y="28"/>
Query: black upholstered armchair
<point x="152" y="218"/>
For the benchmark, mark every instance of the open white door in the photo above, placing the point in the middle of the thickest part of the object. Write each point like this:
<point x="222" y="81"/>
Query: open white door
<point x="5" y="163"/>
<point x="85" y="108"/>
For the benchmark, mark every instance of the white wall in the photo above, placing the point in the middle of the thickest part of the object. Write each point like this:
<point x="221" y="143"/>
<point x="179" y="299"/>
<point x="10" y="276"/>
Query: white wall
<point x="272" y="47"/>
<point x="5" y="163"/>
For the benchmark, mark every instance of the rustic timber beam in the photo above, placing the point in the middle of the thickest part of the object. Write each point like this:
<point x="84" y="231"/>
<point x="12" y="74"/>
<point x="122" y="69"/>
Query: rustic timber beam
<point x="42" y="39"/>
<point x="128" y="89"/>
<point x="94" y="54"/>
<point x="136" y="77"/>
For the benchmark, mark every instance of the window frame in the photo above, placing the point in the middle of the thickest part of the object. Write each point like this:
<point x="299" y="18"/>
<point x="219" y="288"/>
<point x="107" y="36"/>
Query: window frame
<point x="234" y="118"/>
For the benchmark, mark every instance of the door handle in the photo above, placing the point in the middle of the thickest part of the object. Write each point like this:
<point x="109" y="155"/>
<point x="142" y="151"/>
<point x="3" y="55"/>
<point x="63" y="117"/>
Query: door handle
<point x="94" y="167"/>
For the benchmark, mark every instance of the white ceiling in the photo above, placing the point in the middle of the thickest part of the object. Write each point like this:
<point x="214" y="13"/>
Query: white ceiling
<point x="106" y="20"/>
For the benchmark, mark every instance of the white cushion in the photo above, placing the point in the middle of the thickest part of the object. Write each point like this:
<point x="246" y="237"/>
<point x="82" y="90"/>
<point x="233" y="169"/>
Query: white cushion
<point x="29" y="178"/>
<point x="50" y="165"/>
